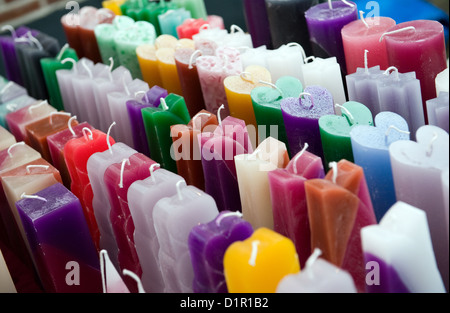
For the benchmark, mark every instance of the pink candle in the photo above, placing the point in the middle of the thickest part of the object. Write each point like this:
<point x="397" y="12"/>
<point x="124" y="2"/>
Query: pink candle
<point x="418" y="46"/>
<point x="364" y="34"/>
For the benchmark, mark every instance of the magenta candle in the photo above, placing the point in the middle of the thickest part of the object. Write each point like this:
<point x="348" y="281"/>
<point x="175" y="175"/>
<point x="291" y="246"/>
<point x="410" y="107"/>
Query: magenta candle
<point x="364" y="34"/>
<point x="118" y="178"/>
<point x="419" y="47"/>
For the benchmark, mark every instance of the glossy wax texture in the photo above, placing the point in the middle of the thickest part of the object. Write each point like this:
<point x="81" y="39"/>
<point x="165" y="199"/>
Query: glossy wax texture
<point x="60" y="239"/>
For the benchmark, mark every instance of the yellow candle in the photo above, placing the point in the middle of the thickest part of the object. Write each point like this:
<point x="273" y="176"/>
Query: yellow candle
<point x="165" y="41"/>
<point x="252" y="174"/>
<point x="113" y="5"/>
<point x="168" y="70"/>
<point x="258" y="264"/>
<point x="238" y="89"/>
<point x="148" y="63"/>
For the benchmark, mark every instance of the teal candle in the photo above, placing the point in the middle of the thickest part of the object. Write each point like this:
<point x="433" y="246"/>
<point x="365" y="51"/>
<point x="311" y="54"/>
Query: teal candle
<point x="267" y="106"/>
<point x="170" y="20"/>
<point x="335" y="131"/>
<point x="158" y="121"/>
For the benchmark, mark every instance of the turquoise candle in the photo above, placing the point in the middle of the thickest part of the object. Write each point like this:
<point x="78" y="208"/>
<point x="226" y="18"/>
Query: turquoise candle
<point x="169" y="21"/>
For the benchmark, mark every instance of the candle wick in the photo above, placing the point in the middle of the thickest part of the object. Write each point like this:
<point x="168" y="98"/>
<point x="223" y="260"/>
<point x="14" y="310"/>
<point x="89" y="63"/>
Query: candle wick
<point x="334" y="167"/>
<point x="86" y="137"/>
<point x="34" y="40"/>
<point x="272" y="85"/>
<point x="6" y="87"/>
<point x="302" y="51"/>
<point x="108" y="135"/>
<point x="14" y="145"/>
<point x="69" y="125"/>
<point x="235" y="28"/>
<point x="302" y="95"/>
<point x="254" y="253"/>
<point x="219" y="115"/>
<point x="32" y="107"/>
<point x="36" y="166"/>
<point x="298" y="156"/>
<point x="164" y="104"/>
<point x="346" y="112"/>
<point x="63" y="49"/>
<point x="312" y="259"/>
<point x="135" y="277"/>
<point x="222" y="216"/>
<point x="330" y="5"/>
<point x="397" y="31"/>
<point x="152" y="170"/>
<point x="11" y="29"/>
<point x="86" y="67"/>
<point x="392" y="127"/>
<point x="25" y="196"/>
<point x="244" y="77"/>
<point x="361" y="13"/>
<point x="58" y="113"/>
<point x="366" y="62"/>
<point x="199" y="114"/>
<point x="348" y="3"/>
<point x="191" y="59"/>
<point x="122" y="169"/>
<point x="392" y="68"/>
<point x="73" y="63"/>
<point x="180" y="196"/>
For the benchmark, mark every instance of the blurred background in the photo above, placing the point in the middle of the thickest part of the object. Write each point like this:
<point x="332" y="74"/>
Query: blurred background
<point x="45" y="15"/>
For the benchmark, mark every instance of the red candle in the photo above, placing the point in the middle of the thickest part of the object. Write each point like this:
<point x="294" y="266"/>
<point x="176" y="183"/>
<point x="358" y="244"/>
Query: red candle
<point x="418" y="46"/>
<point x="76" y="154"/>
<point x="190" y="27"/>
<point x="118" y="178"/>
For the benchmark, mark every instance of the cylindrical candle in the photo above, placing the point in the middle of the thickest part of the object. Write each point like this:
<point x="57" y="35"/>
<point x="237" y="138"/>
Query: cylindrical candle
<point x="420" y="48"/>
<point x="364" y="34"/>
<point x="325" y="22"/>
<point x="257" y="21"/>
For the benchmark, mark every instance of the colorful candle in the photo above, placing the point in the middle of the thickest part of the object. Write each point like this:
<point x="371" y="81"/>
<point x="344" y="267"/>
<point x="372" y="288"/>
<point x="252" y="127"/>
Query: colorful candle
<point x="257" y="22"/>
<point x="174" y="217"/>
<point x="287" y="193"/>
<point x="427" y="158"/>
<point x="257" y="264"/>
<point x="208" y="243"/>
<point x="59" y="237"/>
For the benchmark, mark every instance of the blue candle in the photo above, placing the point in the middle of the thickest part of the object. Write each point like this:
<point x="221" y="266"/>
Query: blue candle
<point x="370" y="146"/>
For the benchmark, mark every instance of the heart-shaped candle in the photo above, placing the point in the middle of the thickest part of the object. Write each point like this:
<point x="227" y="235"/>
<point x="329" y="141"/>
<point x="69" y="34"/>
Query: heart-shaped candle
<point x="335" y="131"/>
<point x="417" y="169"/>
<point x="267" y="106"/>
<point x="301" y="116"/>
<point x="370" y="147"/>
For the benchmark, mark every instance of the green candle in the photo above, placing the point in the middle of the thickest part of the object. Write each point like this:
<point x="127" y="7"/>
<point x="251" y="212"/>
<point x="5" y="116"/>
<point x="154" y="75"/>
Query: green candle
<point x="267" y="106"/>
<point x="196" y="7"/>
<point x="158" y="121"/>
<point x="104" y="33"/>
<point x="151" y="12"/>
<point x="127" y="40"/>
<point x="335" y="130"/>
<point x="49" y="68"/>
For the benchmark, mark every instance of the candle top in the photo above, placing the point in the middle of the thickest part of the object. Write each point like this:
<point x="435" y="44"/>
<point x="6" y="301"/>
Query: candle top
<point x="339" y="10"/>
<point x="424" y="30"/>
<point x="286" y="86"/>
<point x="248" y="80"/>
<point x="376" y="26"/>
<point x="60" y="139"/>
<point x="317" y="103"/>
<point x="55" y="196"/>
<point x="17" y="155"/>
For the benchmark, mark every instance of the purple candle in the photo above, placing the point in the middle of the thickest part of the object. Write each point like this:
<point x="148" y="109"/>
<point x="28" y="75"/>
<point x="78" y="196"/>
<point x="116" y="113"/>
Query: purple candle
<point x="301" y="119"/>
<point x="151" y="98"/>
<point x="390" y="281"/>
<point x="218" y="149"/>
<point x="8" y="52"/>
<point x="257" y="22"/>
<point x="56" y="228"/>
<point x="325" y="22"/>
<point x="207" y="245"/>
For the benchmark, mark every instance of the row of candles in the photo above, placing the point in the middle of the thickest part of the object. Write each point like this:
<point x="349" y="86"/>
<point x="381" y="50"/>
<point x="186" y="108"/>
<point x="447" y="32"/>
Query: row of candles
<point x="103" y="96"/>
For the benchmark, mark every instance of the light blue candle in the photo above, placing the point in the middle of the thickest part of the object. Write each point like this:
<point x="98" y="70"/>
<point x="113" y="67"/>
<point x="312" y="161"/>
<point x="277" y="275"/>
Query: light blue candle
<point x="370" y="146"/>
<point x="196" y="7"/>
<point x="169" y="21"/>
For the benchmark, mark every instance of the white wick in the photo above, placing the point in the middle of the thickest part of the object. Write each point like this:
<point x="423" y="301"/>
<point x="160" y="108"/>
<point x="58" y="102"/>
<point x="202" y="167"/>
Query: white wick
<point x="252" y="260"/>
<point x="298" y="156"/>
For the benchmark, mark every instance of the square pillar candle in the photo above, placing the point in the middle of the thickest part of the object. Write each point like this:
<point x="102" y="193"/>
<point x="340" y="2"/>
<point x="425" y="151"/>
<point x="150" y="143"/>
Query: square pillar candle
<point x="60" y="240"/>
<point x="218" y="150"/>
<point x="174" y="218"/>
<point x="6" y="139"/>
<point x="288" y="196"/>
<point x="252" y="175"/>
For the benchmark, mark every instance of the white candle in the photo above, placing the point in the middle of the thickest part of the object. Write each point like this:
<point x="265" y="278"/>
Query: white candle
<point x="252" y="174"/>
<point x="442" y="81"/>
<point x="319" y="276"/>
<point x="6" y="139"/>
<point x="174" y="219"/>
<point x="142" y="197"/>
<point x="402" y="241"/>
<point x="96" y="167"/>
<point x="325" y="73"/>
<point x="417" y="171"/>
